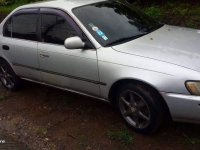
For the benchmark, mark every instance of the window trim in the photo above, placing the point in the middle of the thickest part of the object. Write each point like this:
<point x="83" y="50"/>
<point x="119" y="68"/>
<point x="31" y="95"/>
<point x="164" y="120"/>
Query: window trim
<point x="4" y="26"/>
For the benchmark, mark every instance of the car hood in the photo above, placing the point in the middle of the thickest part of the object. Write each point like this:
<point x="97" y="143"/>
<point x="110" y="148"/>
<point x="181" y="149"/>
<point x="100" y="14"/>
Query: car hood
<point x="176" y="45"/>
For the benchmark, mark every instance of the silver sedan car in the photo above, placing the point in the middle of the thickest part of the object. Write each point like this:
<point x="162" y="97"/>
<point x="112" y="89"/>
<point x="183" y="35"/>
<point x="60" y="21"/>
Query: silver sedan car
<point x="150" y="72"/>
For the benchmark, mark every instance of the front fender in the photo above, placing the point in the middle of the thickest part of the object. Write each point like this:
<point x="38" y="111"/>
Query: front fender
<point x="115" y="66"/>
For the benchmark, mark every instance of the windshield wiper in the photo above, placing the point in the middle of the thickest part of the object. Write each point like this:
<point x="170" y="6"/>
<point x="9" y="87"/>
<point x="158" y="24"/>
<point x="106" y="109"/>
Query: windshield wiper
<point x="122" y="40"/>
<point x="153" y="28"/>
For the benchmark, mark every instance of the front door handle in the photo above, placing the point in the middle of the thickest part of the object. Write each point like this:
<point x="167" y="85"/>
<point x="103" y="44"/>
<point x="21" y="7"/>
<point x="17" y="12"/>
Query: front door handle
<point x="5" y="47"/>
<point x="44" y="55"/>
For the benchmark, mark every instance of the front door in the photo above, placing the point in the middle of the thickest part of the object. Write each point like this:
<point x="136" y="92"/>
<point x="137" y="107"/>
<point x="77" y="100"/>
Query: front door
<point x="73" y="69"/>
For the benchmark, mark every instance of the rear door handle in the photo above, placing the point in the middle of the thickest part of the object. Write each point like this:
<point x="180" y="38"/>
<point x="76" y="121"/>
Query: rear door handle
<point x="5" y="47"/>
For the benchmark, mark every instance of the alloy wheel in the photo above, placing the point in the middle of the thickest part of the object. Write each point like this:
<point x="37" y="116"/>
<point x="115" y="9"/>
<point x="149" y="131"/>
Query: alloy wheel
<point x="6" y="77"/>
<point x="134" y="109"/>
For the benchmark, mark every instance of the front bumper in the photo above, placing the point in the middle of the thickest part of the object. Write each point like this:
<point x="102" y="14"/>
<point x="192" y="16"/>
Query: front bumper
<point x="184" y="108"/>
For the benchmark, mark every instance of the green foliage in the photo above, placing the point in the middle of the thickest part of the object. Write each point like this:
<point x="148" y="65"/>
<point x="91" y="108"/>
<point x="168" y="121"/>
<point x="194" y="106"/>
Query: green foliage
<point x="175" y="13"/>
<point x="154" y="12"/>
<point x="12" y="2"/>
<point x="179" y="12"/>
<point x="122" y="136"/>
<point x="6" y="2"/>
<point x="161" y="2"/>
<point x="6" y="6"/>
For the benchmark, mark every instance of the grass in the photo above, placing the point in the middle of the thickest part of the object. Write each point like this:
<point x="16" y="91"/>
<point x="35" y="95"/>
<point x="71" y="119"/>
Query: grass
<point x="42" y="130"/>
<point x="82" y="145"/>
<point x="191" y="140"/>
<point x="82" y="142"/>
<point x="2" y="98"/>
<point x="67" y="101"/>
<point x="122" y="136"/>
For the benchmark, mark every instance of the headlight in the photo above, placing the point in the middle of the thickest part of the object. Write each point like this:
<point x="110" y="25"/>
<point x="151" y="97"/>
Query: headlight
<point x="193" y="87"/>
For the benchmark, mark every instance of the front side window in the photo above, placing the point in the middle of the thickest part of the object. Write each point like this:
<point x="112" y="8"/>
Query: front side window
<point x="55" y="29"/>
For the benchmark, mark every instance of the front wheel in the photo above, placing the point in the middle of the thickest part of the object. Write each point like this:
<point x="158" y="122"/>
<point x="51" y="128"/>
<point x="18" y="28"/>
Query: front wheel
<point x="8" y="77"/>
<point x="140" y="107"/>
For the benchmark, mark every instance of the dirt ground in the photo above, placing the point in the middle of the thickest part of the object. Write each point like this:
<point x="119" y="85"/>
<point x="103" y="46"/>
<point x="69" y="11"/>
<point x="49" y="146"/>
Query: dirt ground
<point x="47" y="118"/>
<point x="44" y="118"/>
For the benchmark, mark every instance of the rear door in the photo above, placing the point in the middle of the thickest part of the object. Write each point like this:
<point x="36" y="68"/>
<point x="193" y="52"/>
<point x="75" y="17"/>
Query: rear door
<point x="20" y="42"/>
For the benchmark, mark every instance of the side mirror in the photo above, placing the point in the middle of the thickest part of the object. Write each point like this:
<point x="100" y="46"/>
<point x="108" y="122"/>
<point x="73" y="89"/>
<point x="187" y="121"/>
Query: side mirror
<point x="74" y="43"/>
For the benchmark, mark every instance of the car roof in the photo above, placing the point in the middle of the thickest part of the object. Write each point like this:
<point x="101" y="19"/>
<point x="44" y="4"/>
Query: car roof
<point x="62" y="4"/>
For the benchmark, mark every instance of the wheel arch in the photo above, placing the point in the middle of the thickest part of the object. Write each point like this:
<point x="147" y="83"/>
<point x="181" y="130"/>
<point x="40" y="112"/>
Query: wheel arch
<point x="121" y="82"/>
<point x="4" y="59"/>
<point x="1" y="58"/>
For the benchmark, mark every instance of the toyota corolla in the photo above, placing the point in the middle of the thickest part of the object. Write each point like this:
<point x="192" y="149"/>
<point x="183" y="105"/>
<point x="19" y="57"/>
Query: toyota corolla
<point x="107" y="50"/>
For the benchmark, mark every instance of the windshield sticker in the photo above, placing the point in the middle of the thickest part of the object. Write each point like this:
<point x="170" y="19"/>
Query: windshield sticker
<point x="102" y="35"/>
<point x="98" y="31"/>
<point x="94" y="28"/>
<point x="91" y="25"/>
<point x="105" y="38"/>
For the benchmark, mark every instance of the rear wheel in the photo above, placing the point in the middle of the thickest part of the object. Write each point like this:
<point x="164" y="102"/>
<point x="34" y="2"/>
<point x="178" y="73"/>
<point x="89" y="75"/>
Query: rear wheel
<point x="8" y="77"/>
<point x="140" y="107"/>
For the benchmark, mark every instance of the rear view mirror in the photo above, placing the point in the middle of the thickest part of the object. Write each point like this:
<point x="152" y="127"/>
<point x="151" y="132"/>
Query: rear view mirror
<point x="74" y="43"/>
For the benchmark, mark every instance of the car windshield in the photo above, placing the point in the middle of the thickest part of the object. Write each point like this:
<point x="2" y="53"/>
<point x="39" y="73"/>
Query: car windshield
<point x="112" y="23"/>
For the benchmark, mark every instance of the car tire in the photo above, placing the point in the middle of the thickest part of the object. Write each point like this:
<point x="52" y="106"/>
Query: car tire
<point x="140" y="107"/>
<point x="8" y="77"/>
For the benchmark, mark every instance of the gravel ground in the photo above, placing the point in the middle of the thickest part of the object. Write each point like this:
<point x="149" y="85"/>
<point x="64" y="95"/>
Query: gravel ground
<point x="9" y="143"/>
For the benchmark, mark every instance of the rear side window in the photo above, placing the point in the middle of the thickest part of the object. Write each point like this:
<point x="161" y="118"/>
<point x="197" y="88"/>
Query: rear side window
<point x="55" y="29"/>
<point x="7" y="28"/>
<point x="24" y="26"/>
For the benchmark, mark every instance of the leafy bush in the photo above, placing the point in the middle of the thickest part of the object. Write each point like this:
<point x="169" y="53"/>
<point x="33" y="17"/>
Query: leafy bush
<point x="10" y="2"/>
<point x="154" y="12"/>
<point x="158" y="2"/>
<point x="6" y="2"/>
